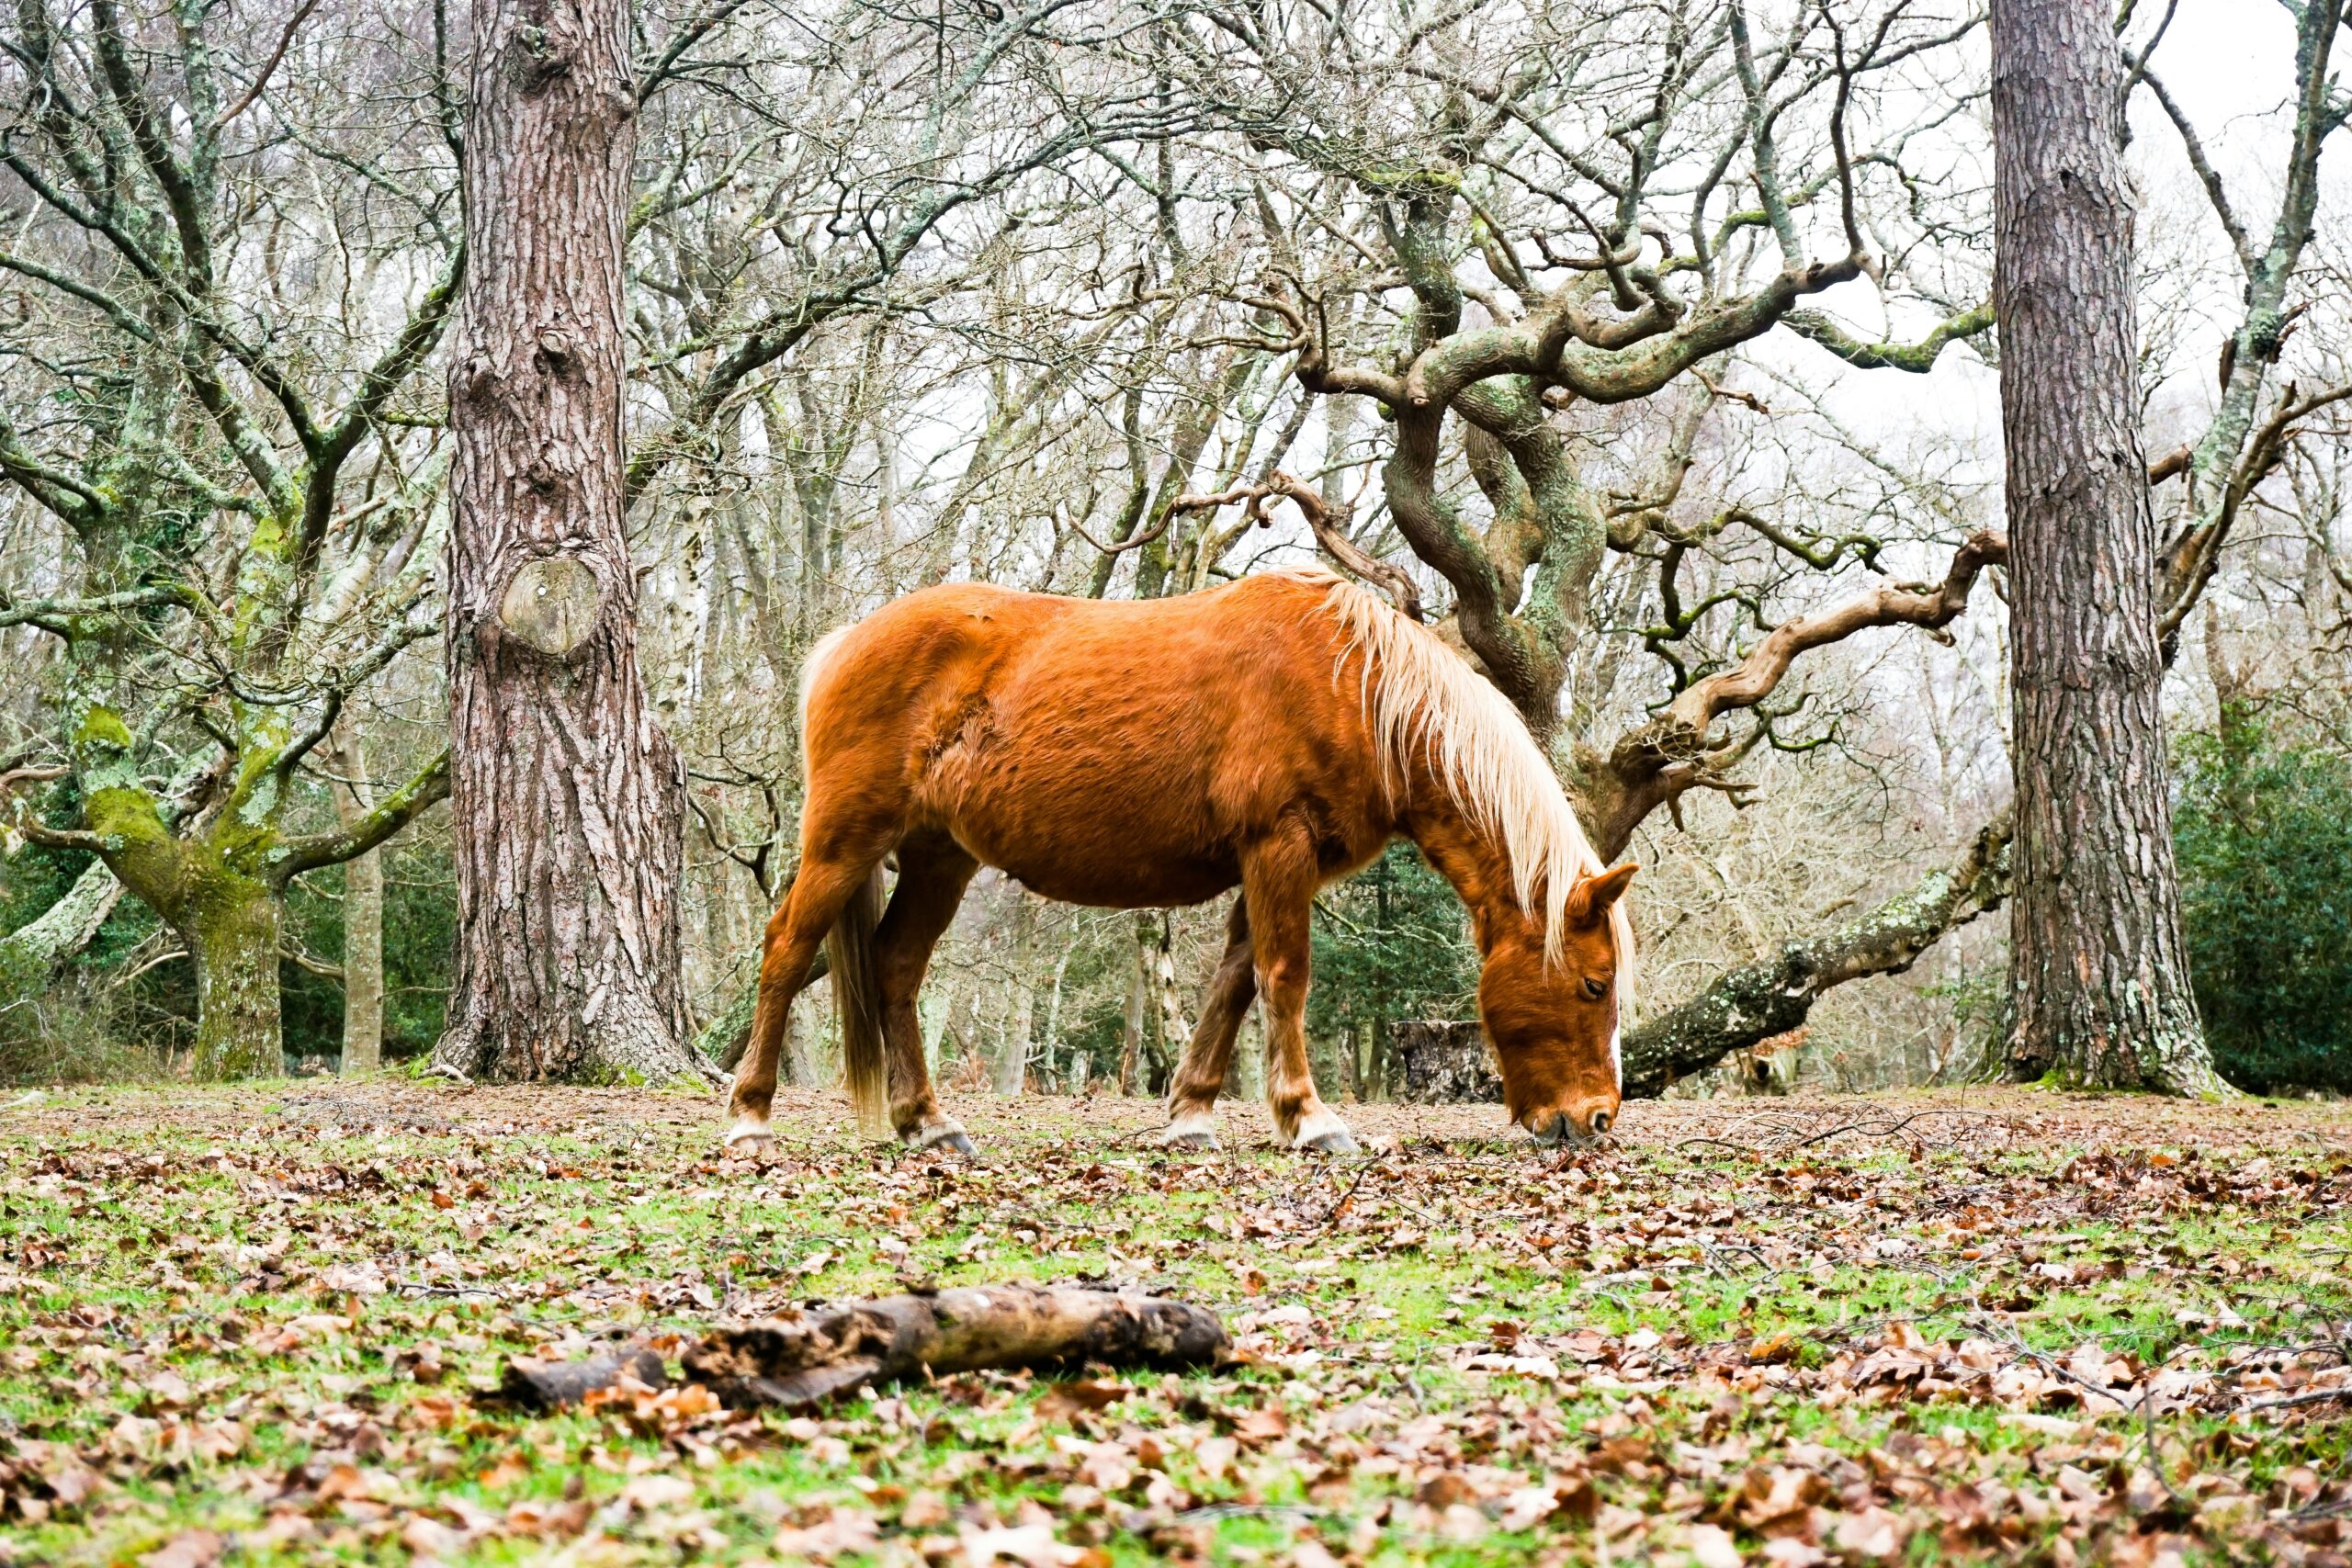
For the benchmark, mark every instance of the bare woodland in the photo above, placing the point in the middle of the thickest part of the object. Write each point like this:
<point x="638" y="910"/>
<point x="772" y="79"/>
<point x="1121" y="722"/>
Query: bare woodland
<point x="1647" y="351"/>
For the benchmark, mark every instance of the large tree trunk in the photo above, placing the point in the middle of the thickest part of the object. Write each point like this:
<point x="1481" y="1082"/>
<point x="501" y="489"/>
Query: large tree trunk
<point x="363" y="919"/>
<point x="2100" y="973"/>
<point x="229" y="924"/>
<point x="567" y="796"/>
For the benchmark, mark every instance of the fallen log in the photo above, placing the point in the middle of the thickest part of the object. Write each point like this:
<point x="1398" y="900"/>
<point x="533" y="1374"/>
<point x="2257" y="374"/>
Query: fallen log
<point x="534" y="1384"/>
<point x="811" y="1357"/>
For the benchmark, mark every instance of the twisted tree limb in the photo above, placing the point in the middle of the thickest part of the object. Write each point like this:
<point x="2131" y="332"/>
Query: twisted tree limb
<point x="1329" y="532"/>
<point x="34" y="954"/>
<point x="1672" y="753"/>
<point x="1759" y="1000"/>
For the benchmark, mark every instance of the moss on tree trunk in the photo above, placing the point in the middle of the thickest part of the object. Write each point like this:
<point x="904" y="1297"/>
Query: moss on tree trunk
<point x="230" y="928"/>
<point x="1756" y="1001"/>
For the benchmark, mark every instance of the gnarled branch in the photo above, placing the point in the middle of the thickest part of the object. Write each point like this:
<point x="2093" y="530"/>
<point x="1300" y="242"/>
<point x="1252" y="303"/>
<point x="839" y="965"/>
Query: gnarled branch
<point x="1401" y="589"/>
<point x="1756" y="1001"/>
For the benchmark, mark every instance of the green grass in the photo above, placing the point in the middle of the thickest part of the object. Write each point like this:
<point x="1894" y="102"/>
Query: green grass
<point x="270" y="1314"/>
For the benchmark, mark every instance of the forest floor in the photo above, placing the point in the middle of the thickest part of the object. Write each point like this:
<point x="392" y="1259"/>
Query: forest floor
<point x="258" y="1326"/>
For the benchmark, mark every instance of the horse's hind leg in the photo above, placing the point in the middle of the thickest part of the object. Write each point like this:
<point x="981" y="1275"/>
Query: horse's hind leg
<point x="1278" y="877"/>
<point x="1200" y="1077"/>
<point x="820" y="890"/>
<point x="932" y="873"/>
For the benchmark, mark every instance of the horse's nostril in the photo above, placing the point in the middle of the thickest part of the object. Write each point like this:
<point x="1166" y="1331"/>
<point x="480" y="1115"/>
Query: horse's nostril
<point x="1600" y="1123"/>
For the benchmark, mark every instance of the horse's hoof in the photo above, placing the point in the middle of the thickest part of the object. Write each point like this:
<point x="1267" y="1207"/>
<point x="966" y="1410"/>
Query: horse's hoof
<point x="1177" y="1136"/>
<point x="1325" y="1133"/>
<point x="946" y="1135"/>
<point x="747" y="1134"/>
<point x="1338" y="1141"/>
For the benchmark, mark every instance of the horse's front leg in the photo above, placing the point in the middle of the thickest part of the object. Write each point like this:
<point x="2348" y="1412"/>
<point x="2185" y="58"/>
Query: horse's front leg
<point x="1200" y="1077"/>
<point x="932" y="874"/>
<point x="1278" y="883"/>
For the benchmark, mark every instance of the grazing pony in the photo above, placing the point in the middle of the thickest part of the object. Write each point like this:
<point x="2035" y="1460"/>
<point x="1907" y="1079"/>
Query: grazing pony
<point x="1273" y="733"/>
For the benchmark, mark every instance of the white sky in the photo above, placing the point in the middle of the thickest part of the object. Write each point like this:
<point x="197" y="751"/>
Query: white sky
<point x="2229" y="64"/>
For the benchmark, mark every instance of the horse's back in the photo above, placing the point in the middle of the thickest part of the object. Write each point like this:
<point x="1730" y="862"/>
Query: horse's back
<point x="970" y="635"/>
<point x="1106" y="752"/>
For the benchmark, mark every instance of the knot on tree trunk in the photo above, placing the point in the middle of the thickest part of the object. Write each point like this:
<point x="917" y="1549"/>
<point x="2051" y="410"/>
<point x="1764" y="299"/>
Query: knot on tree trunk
<point x="551" y="604"/>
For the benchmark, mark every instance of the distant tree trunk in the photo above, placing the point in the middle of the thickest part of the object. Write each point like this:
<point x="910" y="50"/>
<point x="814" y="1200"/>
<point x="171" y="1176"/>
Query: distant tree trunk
<point x="1132" y="1021"/>
<point x="1046" y="1066"/>
<point x="568" y="796"/>
<point x="1173" y="1025"/>
<point x="1445" y="1062"/>
<point x="2102" y="975"/>
<point x="363" y="917"/>
<point x="1012" y="1060"/>
<point x="801" y="1068"/>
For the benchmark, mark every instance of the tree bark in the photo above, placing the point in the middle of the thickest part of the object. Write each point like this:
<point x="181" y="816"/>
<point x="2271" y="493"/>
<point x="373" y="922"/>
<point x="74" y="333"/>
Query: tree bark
<point x="568" y="796"/>
<point x="2100" y="972"/>
<point x="231" y="926"/>
<point x="363" y="917"/>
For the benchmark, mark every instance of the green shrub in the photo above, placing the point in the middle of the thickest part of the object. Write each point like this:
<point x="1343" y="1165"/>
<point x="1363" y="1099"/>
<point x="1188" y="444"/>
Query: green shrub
<point x="2264" y="832"/>
<point x="1391" y="942"/>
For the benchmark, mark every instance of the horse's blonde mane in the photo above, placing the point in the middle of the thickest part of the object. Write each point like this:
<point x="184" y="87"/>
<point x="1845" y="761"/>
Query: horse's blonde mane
<point x="1420" y="696"/>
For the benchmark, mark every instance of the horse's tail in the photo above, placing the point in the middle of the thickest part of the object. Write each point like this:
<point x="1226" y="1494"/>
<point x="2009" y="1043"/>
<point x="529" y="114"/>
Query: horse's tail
<point x="857" y="999"/>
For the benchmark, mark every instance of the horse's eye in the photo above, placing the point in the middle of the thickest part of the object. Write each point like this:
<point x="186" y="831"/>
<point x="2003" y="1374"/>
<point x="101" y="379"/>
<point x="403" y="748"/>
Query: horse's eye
<point x="1596" y="990"/>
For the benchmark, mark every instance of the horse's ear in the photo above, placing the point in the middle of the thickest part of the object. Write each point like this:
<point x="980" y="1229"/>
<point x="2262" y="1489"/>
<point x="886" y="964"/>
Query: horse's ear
<point x="1588" y="901"/>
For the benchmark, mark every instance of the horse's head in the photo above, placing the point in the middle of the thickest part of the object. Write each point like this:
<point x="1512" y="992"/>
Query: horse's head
<point x="1554" y="1019"/>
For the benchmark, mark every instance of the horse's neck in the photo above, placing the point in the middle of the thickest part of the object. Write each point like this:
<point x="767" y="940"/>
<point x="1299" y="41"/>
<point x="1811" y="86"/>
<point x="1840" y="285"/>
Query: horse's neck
<point x="1466" y="855"/>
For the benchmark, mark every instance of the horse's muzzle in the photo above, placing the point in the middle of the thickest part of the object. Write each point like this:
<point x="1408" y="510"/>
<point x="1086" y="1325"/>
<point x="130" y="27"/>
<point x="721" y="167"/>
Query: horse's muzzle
<point x="1565" y="1127"/>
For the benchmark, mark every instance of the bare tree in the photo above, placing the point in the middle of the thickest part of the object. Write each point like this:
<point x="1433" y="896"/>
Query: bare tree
<point x="2102" y="986"/>
<point x="192" y="423"/>
<point x="567" y="792"/>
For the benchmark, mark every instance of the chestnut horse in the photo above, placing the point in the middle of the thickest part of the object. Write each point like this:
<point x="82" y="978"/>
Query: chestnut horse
<point x="1273" y="733"/>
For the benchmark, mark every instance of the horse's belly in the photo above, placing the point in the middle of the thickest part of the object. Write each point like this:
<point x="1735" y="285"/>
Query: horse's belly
<point x="1130" y="772"/>
<point x="1106" y="854"/>
<point x="1093" y="825"/>
<point x="1155" y="887"/>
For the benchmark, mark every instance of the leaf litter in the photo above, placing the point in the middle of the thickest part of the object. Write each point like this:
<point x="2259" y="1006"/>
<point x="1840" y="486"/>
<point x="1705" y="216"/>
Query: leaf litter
<point x="268" y="1325"/>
